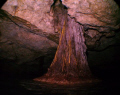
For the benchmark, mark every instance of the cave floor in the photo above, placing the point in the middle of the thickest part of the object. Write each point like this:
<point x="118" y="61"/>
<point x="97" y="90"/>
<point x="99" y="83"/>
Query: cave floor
<point x="30" y="87"/>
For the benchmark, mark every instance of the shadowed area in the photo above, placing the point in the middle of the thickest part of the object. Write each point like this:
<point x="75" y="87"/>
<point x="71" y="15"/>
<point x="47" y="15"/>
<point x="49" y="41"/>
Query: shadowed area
<point x="85" y="31"/>
<point x="2" y="2"/>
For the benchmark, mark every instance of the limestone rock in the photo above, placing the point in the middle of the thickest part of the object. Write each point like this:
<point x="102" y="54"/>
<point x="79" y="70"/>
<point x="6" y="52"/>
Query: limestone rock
<point x="96" y="16"/>
<point x="88" y="12"/>
<point x="94" y="12"/>
<point x="36" y="12"/>
<point x="27" y="35"/>
<point x="22" y="41"/>
<point x="99" y="18"/>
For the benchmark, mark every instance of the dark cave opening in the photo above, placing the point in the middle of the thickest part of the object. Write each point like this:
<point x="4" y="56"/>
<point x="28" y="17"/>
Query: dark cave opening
<point x="2" y="2"/>
<point x="118" y="2"/>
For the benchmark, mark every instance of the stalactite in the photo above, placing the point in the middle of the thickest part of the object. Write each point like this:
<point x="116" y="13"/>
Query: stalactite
<point x="70" y="60"/>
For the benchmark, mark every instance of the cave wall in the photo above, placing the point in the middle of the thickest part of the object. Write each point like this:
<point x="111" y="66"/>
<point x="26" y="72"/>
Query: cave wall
<point x="91" y="12"/>
<point x="23" y="47"/>
<point x="34" y="11"/>
<point x="94" y="12"/>
<point x="100" y="19"/>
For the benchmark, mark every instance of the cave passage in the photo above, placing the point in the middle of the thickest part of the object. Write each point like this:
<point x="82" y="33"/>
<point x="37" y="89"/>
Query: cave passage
<point x="70" y="62"/>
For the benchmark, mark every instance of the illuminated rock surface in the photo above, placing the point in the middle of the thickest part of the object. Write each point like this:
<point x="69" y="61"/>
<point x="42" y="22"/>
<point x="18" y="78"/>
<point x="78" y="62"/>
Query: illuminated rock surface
<point x="26" y="40"/>
<point x="22" y="40"/>
<point x="94" y="12"/>
<point x="34" y="11"/>
<point x="98" y="17"/>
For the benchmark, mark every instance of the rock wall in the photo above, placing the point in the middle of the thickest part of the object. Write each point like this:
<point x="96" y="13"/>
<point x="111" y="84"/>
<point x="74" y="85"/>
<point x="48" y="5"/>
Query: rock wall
<point x="28" y="33"/>
<point x="100" y="18"/>
<point x="94" y="12"/>
<point x="36" y="12"/>
<point x="104" y="13"/>
<point x="22" y="41"/>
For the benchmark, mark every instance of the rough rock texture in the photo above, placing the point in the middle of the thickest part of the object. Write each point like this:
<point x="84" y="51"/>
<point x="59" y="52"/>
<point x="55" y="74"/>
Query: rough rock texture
<point x="23" y="47"/>
<point x="22" y="41"/>
<point x="100" y="18"/>
<point x="36" y="12"/>
<point x="27" y="41"/>
<point x="94" y="12"/>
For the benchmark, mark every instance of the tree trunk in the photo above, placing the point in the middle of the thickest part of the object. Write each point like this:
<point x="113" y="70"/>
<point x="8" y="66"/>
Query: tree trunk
<point x="70" y="63"/>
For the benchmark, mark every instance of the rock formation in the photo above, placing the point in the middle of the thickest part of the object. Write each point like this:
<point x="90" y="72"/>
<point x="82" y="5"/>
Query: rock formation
<point x="28" y="24"/>
<point x="99" y="18"/>
<point x="22" y="42"/>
